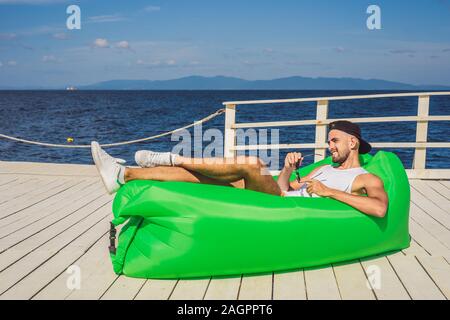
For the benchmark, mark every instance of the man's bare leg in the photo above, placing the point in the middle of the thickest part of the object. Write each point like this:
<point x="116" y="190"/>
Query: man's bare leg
<point x="176" y="174"/>
<point x="249" y="169"/>
<point x="248" y="172"/>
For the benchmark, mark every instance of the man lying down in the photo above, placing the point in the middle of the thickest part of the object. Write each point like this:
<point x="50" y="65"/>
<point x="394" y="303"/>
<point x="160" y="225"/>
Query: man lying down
<point x="347" y="182"/>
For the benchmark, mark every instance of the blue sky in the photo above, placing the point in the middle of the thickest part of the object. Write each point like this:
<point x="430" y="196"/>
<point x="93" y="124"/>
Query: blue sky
<point x="265" y="39"/>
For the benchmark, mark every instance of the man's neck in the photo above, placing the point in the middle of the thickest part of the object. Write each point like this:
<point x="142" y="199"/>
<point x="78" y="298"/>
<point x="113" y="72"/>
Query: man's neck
<point x="351" y="162"/>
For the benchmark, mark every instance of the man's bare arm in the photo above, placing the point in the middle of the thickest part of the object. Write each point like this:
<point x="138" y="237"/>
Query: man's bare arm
<point x="286" y="185"/>
<point x="290" y="162"/>
<point x="283" y="178"/>
<point x="375" y="204"/>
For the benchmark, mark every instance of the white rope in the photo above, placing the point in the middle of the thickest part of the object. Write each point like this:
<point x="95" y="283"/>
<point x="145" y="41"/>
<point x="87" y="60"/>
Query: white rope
<point x="211" y="116"/>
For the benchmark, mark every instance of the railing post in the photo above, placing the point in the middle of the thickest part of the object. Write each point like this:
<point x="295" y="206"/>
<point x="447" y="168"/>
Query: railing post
<point x="420" y="153"/>
<point x="321" y="129"/>
<point x="230" y="132"/>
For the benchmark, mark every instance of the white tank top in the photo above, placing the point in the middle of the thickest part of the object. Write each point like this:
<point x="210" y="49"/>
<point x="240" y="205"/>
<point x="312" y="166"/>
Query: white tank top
<point x="339" y="179"/>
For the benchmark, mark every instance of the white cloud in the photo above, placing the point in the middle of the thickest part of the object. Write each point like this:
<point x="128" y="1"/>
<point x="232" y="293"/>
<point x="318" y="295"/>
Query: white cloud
<point x="42" y="30"/>
<point x="1" y="64"/>
<point x="152" y="8"/>
<point x="7" y="36"/>
<point x="123" y="45"/>
<point x="60" y="36"/>
<point x="33" y="31"/>
<point x="403" y="51"/>
<point x="106" y="18"/>
<point x="157" y="63"/>
<point x="49" y="58"/>
<point x="101" y="43"/>
<point x="12" y="63"/>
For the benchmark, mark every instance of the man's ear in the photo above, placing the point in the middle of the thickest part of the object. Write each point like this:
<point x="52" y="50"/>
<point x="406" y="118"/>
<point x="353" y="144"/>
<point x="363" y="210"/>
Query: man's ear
<point x="354" y="143"/>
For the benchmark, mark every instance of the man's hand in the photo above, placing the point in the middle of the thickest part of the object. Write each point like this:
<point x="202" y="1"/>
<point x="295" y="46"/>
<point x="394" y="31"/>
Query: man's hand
<point x="375" y="204"/>
<point x="317" y="187"/>
<point x="291" y="160"/>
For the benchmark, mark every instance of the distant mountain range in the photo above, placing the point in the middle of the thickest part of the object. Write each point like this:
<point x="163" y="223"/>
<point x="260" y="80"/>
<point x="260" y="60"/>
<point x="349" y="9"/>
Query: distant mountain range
<point x="231" y="83"/>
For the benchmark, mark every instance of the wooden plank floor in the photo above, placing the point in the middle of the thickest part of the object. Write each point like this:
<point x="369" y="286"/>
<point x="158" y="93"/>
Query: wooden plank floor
<point x="54" y="220"/>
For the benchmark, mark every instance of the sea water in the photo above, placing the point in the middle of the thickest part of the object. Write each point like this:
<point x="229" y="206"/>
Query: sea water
<point x="113" y="116"/>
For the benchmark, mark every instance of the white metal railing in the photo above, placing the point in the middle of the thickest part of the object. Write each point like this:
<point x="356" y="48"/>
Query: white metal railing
<point x="321" y="122"/>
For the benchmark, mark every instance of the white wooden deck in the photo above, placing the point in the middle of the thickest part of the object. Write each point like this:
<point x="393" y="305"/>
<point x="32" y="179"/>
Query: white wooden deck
<point x="53" y="216"/>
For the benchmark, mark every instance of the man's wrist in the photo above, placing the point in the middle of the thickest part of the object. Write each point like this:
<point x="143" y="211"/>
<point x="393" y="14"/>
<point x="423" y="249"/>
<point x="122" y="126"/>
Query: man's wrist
<point x="333" y="193"/>
<point x="288" y="169"/>
<point x="330" y="193"/>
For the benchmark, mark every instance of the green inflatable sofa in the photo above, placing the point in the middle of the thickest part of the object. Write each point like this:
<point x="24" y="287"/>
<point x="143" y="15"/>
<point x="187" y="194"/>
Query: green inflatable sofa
<point x="186" y="230"/>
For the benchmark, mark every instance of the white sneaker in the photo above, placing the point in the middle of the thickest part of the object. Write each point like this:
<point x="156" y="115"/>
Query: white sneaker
<point x="108" y="167"/>
<point x="149" y="159"/>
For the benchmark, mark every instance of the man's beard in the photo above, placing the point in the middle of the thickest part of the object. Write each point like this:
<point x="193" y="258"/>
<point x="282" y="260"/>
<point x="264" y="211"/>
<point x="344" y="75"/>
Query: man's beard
<point x="340" y="159"/>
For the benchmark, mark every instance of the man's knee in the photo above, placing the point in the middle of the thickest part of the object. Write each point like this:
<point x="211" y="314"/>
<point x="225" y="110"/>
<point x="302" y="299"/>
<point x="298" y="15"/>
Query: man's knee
<point x="256" y="162"/>
<point x="249" y="160"/>
<point x="249" y="164"/>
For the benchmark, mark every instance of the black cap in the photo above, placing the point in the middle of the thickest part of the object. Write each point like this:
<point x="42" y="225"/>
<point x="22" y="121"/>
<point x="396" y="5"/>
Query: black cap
<point x="354" y="130"/>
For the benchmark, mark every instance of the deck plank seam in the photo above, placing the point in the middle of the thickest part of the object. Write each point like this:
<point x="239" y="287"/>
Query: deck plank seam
<point x="240" y="286"/>
<point x="173" y="290"/>
<point x="31" y="223"/>
<point x="75" y="176"/>
<point x="41" y="218"/>
<point x="424" y="249"/>
<point x="304" y="283"/>
<point x="430" y="234"/>
<point x="41" y="200"/>
<point x="447" y="259"/>
<point x="64" y="270"/>
<point x="399" y="279"/>
<point x="431" y="216"/>
<point x="69" y="294"/>
<point x="441" y="182"/>
<point x="139" y="290"/>
<point x="429" y="199"/>
<point x="426" y="214"/>
<point x="367" y="279"/>
<point x="427" y="231"/>
<point x="22" y="193"/>
<point x="431" y="278"/>
<point x="207" y="287"/>
<point x="432" y="186"/>
<point x="71" y="213"/>
<point x="14" y="179"/>
<point x="273" y="284"/>
<point x="52" y="255"/>
<point x="45" y="242"/>
<point x="26" y="180"/>
<point x="109" y="287"/>
<point x="335" y="280"/>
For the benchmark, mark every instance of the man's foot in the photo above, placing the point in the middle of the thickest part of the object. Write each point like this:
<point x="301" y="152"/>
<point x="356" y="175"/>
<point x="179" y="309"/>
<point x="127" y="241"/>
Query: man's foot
<point x="111" y="172"/>
<point x="149" y="159"/>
